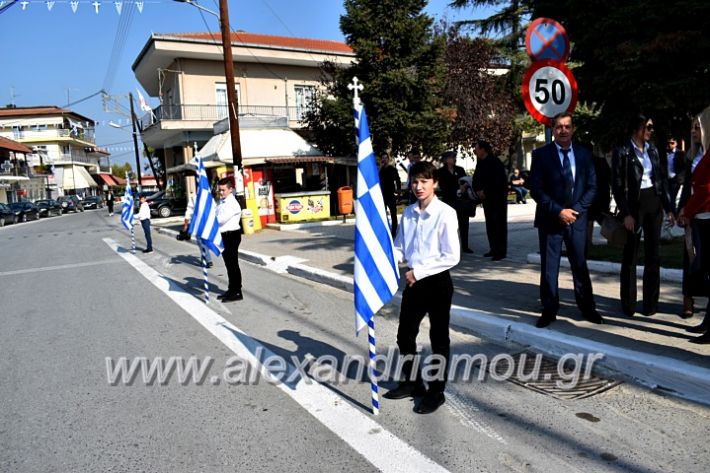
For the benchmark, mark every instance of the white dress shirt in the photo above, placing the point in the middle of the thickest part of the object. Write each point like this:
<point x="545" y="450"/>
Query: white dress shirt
<point x="428" y="239"/>
<point x="645" y="160"/>
<point x="144" y="211"/>
<point x="228" y="214"/>
<point x="671" y="164"/>
<point x="190" y="208"/>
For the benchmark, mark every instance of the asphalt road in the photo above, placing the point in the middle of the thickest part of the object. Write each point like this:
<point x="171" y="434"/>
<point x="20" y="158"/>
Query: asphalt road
<point x="72" y="296"/>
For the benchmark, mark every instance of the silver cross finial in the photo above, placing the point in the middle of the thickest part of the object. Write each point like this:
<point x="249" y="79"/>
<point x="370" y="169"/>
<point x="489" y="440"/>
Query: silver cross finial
<point x="356" y="86"/>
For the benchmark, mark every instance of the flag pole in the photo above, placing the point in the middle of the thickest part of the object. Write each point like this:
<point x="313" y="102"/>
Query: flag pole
<point x="204" y="273"/>
<point x="372" y="371"/>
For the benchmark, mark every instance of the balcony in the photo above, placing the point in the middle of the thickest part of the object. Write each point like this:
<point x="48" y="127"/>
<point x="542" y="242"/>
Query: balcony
<point x="213" y="113"/>
<point x="86" y="135"/>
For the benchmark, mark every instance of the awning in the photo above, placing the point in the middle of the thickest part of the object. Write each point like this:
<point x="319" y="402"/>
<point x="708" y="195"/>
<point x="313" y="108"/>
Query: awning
<point x="77" y="177"/>
<point x="106" y="179"/>
<point x="300" y="159"/>
<point x="10" y="178"/>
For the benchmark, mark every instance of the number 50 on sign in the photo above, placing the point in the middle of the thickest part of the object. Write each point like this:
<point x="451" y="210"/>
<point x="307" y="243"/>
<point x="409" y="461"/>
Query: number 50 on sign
<point x="548" y="89"/>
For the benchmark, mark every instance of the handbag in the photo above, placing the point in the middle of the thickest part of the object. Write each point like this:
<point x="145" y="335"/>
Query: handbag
<point x="613" y="228"/>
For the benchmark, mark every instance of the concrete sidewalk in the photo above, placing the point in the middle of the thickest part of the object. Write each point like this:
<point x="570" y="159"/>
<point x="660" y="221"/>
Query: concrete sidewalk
<point x="500" y="301"/>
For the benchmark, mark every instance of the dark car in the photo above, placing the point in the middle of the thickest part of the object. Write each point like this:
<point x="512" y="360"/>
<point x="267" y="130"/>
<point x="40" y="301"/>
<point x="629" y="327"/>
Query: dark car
<point x="70" y="203"/>
<point x="48" y="207"/>
<point x="164" y="206"/>
<point x="7" y="215"/>
<point x="25" y="211"/>
<point x="92" y="202"/>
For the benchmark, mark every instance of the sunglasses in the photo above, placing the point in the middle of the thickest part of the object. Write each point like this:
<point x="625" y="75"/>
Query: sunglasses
<point x="649" y="127"/>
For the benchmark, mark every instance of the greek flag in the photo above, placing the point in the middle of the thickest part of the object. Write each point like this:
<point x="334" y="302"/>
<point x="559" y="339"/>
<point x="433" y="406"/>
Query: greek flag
<point x="203" y="224"/>
<point x="376" y="272"/>
<point x="127" y="207"/>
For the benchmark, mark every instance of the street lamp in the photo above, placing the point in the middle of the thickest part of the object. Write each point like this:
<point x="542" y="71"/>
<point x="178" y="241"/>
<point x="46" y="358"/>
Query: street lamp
<point x="232" y="104"/>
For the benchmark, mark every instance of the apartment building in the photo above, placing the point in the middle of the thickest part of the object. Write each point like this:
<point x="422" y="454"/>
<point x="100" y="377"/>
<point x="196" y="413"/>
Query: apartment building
<point x="63" y="153"/>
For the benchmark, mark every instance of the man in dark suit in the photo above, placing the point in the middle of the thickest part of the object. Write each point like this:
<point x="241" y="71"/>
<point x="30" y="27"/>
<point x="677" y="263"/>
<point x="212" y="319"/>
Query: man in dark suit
<point x="675" y="160"/>
<point x="563" y="183"/>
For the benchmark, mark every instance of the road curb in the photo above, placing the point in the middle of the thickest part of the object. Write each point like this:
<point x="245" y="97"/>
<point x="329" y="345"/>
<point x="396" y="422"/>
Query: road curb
<point x="606" y="267"/>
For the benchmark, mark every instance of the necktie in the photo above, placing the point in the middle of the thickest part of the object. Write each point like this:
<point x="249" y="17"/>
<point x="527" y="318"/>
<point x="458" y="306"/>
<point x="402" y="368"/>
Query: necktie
<point x="567" y="171"/>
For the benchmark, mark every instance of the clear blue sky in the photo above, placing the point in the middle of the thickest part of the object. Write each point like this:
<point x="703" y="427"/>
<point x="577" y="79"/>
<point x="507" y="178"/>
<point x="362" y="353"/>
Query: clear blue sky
<point x="49" y="55"/>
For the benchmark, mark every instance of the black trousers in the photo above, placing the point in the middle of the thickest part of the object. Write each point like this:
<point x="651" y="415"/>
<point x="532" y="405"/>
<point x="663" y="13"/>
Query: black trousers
<point x="230" y="255"/>
<point x="431" y="295"/>
<point x="496" y="214"/>
<point x="391" y="205"/>
<point x="694" y="283"/>
<point x="649" y="219"/>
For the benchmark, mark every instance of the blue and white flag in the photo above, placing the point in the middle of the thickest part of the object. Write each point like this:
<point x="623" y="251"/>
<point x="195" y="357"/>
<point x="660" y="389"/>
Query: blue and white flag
<point x="203" y="224"/>
<point x="376" y="272"/>
<point x="127" y="207"/>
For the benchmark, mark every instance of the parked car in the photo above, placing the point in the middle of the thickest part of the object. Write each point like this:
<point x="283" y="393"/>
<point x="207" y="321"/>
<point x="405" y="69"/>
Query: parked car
<point x="92" y="202"/>
<point x="48" y="207"/>
<point x="7" y="215"/>
<point x="164" y="206"/>
<point x="25" y="211"/>
<point x="70" y="203"/>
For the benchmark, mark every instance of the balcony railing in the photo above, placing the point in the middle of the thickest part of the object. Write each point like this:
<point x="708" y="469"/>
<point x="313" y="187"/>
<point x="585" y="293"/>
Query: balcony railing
<point x="81" y="134"/>
<point x="214" y="113"/>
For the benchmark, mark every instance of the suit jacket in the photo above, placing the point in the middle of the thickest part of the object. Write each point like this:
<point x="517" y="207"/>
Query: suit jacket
<point x="699" y="199"/>
<point x="679" y="161"/>
<point x="491" y="178"/>
<point x="626" y="175"/>
<point x="549" y="188"/>
<point x="449" y="183"/>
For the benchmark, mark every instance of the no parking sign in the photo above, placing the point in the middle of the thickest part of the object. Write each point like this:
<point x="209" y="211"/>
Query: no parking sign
<point x="549" y="88"/>
<point x="547" y="39"/>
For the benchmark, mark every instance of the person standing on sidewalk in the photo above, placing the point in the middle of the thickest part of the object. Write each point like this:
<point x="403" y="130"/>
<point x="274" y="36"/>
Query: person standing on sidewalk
<point x="428" y="241"/>
<point x="109" y="202"/>
<point x="186" y="224"/>
<point x="144" y="217"/>
<point x="449" y="177"/>
<point x="563" y="183"/>
<point x="390" y="185"/>
<point x="490" y="182"/>
<point x="696" y="212"/>
<point x="228" y="214"/>
<point x="640" y="187"/>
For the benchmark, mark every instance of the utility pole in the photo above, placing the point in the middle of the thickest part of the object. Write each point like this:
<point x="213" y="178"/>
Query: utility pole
<point x="232" y="103"/>
<point x="135" y="141"/>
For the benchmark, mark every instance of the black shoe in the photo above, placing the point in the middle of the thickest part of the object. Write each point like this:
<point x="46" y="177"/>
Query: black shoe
<point x="700" y="328"/>
<point x="593" y="317"/>
<point x="224" y="294"/>
<point x="430" y="402"/>
<point x="148" y="250"/>
<point x="488" y="255"/>
<point x="498" y="258"/>
<point x="703" y="339"/>
<point x="209" y="264"/>
<point x="628" y="311"/>
<point x="405" y="390"/>
<point x="467" y="250"/>
<point x="237" y="296"/>
<point x="545" y="320"/>
<point x="649" y="312"/>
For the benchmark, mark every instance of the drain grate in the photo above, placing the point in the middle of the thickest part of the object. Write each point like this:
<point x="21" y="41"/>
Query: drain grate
<point x="555" y="381"/>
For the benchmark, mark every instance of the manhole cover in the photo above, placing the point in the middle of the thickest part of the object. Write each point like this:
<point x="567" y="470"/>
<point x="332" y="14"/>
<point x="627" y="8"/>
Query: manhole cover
<point x="566" y="380"/>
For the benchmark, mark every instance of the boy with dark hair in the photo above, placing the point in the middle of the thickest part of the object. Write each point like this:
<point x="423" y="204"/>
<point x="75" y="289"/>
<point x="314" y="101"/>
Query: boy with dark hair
<point x="228" y="217"/>
<point x="428" y="241"/>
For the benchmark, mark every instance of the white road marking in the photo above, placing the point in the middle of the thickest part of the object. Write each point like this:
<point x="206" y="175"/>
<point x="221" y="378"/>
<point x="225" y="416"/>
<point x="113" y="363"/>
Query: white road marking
<point x="55" y="268"/>
<point x="377" y="445"/>
<point x="464" y="408"/>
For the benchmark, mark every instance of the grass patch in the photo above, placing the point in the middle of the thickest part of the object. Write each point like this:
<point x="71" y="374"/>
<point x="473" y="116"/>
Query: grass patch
<point x="671" y="253"/>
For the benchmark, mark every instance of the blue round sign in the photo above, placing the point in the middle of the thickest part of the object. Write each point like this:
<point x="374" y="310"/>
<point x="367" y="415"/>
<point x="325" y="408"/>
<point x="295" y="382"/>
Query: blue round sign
<point x="546" y="39"/>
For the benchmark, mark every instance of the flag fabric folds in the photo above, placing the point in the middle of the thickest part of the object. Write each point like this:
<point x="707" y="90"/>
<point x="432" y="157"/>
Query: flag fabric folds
<point x="203" y="224"/>
<point x="376" y="272"/>
<point x="127" y="208"/>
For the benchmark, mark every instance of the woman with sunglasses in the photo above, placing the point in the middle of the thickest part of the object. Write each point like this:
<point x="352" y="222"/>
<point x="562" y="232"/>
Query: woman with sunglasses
<point x="640" y="188"/>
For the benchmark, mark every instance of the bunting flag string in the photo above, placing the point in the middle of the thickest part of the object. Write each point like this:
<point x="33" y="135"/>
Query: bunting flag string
<point x="25" y="5"/>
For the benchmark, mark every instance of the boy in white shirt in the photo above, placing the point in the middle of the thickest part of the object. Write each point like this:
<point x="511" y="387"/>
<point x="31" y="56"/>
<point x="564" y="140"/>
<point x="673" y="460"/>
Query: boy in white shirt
<point x="144" y="217"/>
<point x="428" y="240"/>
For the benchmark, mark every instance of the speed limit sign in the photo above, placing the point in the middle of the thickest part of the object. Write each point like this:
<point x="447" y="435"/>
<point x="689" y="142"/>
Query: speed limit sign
<point x="548" y="89"/>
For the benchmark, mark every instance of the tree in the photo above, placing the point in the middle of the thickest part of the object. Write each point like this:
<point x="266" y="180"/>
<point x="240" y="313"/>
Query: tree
<point x="651" y="57"/>
<point x="121" y="170"/>
<point x="399" y="61"/>
<point x="478" y="102"/>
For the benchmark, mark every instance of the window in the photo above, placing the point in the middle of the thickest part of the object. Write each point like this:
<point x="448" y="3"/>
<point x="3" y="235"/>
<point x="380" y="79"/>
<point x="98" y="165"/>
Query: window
<point x="304" y="98"/>
<point x="221" y="91"/>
